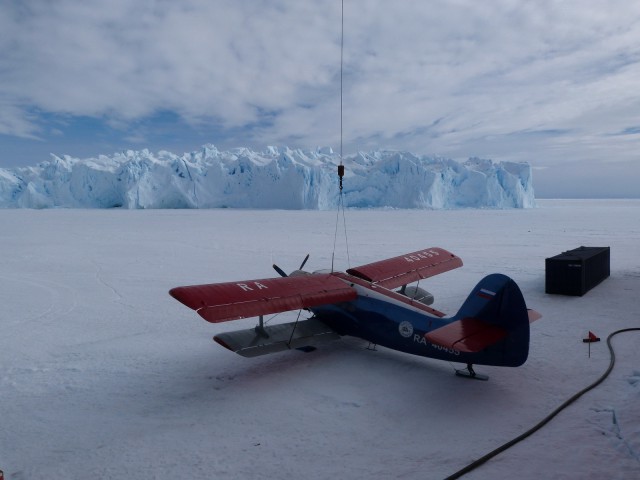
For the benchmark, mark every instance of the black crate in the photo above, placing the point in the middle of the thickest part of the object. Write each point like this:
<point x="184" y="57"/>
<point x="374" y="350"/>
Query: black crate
<point x="577" y="271"/>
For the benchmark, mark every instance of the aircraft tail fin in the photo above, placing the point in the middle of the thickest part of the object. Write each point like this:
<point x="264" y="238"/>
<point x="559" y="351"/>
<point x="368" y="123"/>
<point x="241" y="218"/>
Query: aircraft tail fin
<point x="493" y="322"/>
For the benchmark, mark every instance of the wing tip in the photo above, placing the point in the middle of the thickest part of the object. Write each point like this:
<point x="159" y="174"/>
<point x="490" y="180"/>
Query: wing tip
<point x="185" y="297"/>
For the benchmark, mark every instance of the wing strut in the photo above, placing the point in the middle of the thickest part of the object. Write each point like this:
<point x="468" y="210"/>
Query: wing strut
<point x="293" y="330"/>
<point x="260" y="327"/>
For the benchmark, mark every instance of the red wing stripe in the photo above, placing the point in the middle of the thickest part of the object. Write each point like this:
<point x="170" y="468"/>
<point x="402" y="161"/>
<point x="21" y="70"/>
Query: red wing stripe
<point x="408" y="268"/>
<point x="220" y="302"/>
<point x="467" y="335"/>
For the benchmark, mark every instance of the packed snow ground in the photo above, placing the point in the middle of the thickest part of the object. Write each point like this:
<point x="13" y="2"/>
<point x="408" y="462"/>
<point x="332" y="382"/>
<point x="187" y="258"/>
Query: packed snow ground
<point x="105" y="376"/>
<point x="275" y="178"/>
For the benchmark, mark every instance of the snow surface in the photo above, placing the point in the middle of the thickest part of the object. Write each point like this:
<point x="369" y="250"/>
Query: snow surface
<point x="104" y="375"/>
<point x="276" y="178"/>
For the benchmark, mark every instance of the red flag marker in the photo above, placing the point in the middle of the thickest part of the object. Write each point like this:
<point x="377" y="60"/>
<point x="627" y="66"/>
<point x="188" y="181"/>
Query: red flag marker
<point x="592" y="338"/>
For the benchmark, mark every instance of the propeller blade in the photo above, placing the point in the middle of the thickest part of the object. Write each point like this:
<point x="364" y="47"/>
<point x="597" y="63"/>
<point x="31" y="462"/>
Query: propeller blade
<point x="304" y="261"/>
<point x="279" y="270"/>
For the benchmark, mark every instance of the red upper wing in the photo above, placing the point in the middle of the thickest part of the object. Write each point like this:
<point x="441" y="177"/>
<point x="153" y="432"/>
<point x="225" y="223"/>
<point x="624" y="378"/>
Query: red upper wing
<point x="398" y="271"/>
<point x="220" y="302"/>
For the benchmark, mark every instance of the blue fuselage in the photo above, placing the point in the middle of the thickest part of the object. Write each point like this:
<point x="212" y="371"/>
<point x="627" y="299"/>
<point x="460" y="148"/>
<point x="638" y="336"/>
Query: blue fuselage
<point x="379" y="317"/>
<point x="380" y="320"/>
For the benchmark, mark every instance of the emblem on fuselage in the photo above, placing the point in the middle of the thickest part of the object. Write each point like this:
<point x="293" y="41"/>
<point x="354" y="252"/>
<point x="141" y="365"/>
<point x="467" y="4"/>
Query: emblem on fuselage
<point x="405" y="329"/>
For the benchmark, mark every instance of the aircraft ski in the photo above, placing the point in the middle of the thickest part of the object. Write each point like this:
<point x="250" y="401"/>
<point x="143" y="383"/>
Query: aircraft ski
<point x="490" y="328"/>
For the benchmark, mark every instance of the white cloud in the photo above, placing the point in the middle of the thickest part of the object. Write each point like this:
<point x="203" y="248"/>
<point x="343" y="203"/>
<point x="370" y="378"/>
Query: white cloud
<point x="510" y="79"/>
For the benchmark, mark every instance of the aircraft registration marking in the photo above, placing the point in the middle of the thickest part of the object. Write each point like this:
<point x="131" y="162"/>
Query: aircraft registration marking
<point x="256" y="286"/>
<point x="423" y="341"/>
<point x="424" y="255"/>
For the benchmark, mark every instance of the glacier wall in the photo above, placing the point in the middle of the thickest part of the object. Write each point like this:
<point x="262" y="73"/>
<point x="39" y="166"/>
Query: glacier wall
<point x="277" y="178"/>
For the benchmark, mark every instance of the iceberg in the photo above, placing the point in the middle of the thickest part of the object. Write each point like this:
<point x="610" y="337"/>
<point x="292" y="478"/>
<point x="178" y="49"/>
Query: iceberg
<point x="276" y="178"/>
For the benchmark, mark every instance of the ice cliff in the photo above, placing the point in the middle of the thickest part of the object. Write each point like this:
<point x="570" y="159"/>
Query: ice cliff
<point x="277" y="178"/>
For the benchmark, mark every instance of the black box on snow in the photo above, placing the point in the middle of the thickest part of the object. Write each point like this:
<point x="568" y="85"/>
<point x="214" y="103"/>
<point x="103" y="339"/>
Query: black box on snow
<point x="577" y="271"/>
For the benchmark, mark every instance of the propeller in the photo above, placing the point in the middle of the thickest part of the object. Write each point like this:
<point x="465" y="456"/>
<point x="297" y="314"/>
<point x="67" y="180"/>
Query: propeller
<point x="282" y="273"/>
<point x="304" y="261"/>
<point x="279" y="270"/>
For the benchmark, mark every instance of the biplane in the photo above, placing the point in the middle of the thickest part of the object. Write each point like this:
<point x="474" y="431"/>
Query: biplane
<point x="374" y="302"/>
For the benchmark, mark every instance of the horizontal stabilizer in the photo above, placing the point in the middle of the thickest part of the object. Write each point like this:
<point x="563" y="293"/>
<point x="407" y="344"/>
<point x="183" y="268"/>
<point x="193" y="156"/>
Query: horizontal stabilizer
<point x="467" y="335"/>
<point x="397" y="271"/>
<point x="276" y="338"/>
<point x="533" y="315"/>
<point x="220" y="302"/>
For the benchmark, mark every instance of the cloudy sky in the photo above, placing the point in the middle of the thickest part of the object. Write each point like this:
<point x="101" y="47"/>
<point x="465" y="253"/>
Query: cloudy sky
<point x="553" y="83"/>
